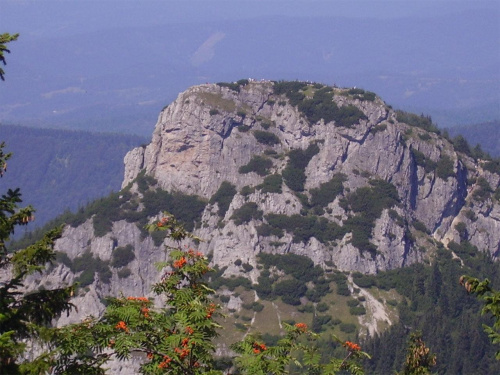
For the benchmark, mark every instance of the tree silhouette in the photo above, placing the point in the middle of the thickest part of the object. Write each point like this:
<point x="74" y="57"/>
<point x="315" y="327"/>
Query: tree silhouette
<point x="25" y="315"/>
<point x="4" y="39"/>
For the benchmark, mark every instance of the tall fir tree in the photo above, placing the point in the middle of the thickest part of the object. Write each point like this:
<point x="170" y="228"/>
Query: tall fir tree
<point x="4" y="39"/>
<point x="25" y="315"/>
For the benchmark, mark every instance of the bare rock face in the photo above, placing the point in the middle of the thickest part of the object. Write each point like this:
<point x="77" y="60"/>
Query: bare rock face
<point x="368" y="190"/>
<point x="243" y="134"/>
<point x="211" y="133"/>
<point x="198" y="143"/>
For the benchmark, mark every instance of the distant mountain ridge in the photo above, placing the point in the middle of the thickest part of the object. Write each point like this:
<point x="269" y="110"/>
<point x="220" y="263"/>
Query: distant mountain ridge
<point x="416" y="64"/>
<point x="60" y="169"/>
<point x="486" y="134"/>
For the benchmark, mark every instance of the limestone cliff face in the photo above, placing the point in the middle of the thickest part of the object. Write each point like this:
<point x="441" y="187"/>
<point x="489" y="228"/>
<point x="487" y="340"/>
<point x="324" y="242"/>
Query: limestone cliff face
<point x="197" y="144"/>
<point x="211" y="133"/>
<point x="369" y="189"/>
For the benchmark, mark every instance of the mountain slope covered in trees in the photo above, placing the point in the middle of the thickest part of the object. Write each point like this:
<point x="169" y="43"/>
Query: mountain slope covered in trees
<point x="486" y="134"/>
<point x="59" y="170"/>
<point x="435" y="303"/>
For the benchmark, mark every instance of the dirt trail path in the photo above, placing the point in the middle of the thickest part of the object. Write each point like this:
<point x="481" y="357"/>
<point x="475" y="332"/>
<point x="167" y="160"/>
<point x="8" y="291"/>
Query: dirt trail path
<point x="375" y="310"/>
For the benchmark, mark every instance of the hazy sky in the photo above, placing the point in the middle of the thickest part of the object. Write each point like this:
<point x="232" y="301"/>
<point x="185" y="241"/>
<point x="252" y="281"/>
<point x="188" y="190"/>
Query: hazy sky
<point x="50" y="17"/>
<point x="82" y="63"/>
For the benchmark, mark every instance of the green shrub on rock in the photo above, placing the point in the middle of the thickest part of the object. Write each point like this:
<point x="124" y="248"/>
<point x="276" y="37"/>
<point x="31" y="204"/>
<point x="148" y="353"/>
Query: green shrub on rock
<point x="444" y="167"/>
<point x="249" y="211"/>
<point x="257" y="164"/>
<point x="266" y="138"/>
<point x="294" y="172"/>
<point x="271" y="184"/>
<point x="223" y="197"/>
<point x="122" y="256"/>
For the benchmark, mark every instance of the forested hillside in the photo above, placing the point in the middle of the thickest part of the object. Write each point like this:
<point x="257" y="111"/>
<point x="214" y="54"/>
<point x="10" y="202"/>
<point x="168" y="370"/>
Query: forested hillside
<point x="486" y="134"/>
<point x="434" y="302"/>
<point x="58" y="170"/>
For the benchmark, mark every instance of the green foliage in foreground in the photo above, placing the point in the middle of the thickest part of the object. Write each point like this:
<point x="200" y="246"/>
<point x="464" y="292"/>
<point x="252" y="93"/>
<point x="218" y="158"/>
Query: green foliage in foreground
<point x="178" y="339"/>
<point x="4" y="39"/>
<point x="491" y="299"/>
<point x="25" y="315"/>
<point x="298" y="348"/>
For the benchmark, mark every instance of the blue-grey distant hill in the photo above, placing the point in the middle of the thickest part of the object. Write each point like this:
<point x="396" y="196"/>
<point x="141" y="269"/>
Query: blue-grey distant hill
<point x="486" y="134"/>
<point x="108" y="68"/>
<point x="60" y="169"/>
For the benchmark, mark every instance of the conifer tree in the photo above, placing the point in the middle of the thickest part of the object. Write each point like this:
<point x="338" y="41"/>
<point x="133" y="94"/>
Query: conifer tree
<point x="25" y="315"/>
<point x="4" y="39"/>
<point x="419" y="359"/>
<point x="491" y="299"/>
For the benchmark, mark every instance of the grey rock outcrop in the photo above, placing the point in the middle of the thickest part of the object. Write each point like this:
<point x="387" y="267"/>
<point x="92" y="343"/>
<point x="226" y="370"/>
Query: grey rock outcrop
<point x="196" y="146"/>
<point x="210" y="132"/>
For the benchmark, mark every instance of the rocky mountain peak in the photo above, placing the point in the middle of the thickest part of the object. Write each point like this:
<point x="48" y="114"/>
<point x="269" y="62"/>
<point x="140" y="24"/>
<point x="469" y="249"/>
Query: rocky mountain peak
<point x="258" y="169"/>
<point x="205" y="135"/>
<point x="301" y="137"/>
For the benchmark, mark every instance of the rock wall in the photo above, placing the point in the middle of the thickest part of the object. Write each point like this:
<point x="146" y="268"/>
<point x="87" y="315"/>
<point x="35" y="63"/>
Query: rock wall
<point x="209" y="132"/>
<point x="196" y="146"/>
